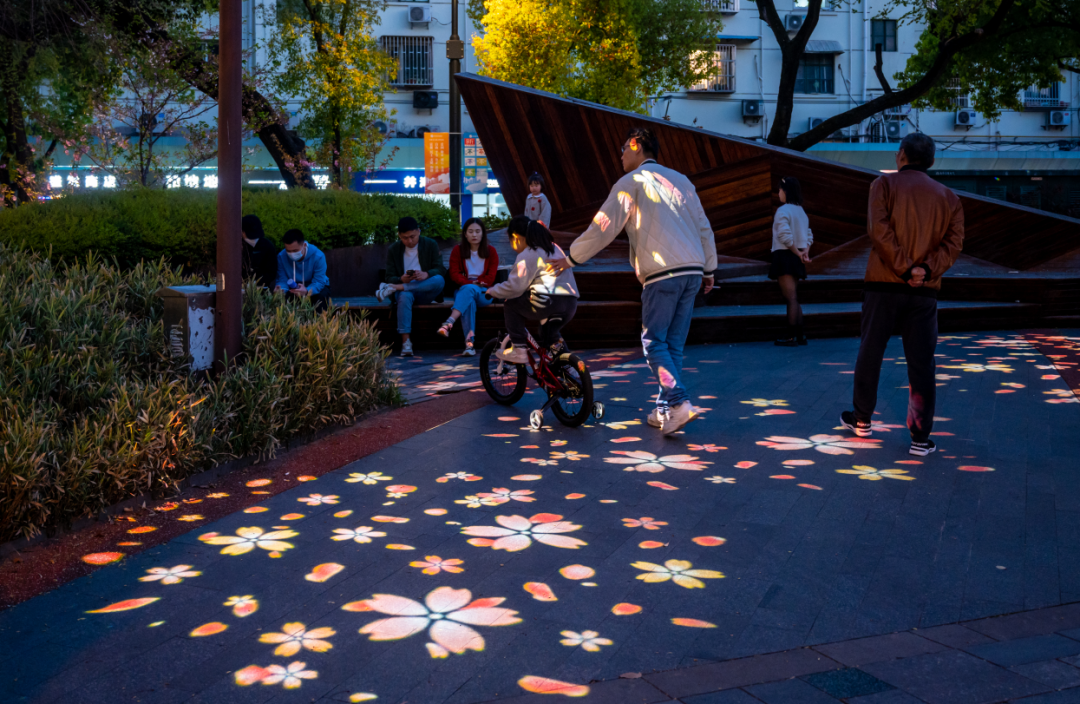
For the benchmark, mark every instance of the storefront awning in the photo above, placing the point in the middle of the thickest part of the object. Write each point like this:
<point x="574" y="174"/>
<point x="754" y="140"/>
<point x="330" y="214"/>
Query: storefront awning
<point x="823" y="46"/>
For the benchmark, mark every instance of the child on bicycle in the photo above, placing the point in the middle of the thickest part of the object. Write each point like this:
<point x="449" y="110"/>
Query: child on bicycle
<point x="532" y="292"/>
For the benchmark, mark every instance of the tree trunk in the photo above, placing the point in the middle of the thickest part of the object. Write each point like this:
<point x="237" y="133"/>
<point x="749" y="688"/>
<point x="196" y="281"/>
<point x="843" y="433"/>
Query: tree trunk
<point x="18" y="159"/>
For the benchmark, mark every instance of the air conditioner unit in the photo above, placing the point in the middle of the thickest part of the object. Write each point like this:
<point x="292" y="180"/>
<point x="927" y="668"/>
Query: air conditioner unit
<point x="425" y="99"/>
<point x="419" y="15"/>
<point x="965" y="118"/>
<point x="422" y="130"/>
<point x="388" y="129"/>
<point x="815" y="121"/>
<point x="896" y="129"/>
<point x="753" y="108"/>
<point x="793" y="23"/>
<point x="1058" y="119"/>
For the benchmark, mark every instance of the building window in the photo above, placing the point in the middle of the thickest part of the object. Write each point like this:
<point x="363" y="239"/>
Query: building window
<point x="815" y="74"/>
<point x="1036" y="97"/>
<point x="720" y="5"/>
<point x="959" y="99"/>
<point x="415" y="61"/>
<point x="721" y="78"/>
<point x="883" y="32"/>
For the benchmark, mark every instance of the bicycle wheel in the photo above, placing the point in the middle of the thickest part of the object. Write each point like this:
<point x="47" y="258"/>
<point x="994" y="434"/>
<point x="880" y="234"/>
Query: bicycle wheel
<point x="576" y="403"/>
<point x="506" y="387"/>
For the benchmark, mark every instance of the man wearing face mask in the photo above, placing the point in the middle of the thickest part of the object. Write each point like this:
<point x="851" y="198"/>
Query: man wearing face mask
<point x="260" y="255"/>
<point x="301" y="270"/>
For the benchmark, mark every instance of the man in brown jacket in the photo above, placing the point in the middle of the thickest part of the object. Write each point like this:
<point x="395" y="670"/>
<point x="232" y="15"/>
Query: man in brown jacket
<point x="916" y="226"/>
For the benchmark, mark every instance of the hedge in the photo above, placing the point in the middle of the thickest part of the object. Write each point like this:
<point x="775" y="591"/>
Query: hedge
<point x="143" y="224"/>
<point x="94" y="410"/>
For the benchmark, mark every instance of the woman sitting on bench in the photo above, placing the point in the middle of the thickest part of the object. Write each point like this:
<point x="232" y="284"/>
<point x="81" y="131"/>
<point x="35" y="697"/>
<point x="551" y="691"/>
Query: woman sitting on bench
<point x="473" y="266"/>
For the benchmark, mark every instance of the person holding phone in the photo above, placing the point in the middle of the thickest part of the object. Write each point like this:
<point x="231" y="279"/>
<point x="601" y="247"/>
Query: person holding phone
<point x="414" y="275"/>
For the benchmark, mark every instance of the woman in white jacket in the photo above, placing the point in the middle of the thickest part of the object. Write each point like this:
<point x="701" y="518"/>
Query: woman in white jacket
<point x="791" y="242"/>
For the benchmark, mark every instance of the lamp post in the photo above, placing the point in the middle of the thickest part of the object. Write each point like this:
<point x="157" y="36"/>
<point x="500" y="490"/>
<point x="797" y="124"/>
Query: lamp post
<point x="227" y="323"/>
<point x="455" y="51"/>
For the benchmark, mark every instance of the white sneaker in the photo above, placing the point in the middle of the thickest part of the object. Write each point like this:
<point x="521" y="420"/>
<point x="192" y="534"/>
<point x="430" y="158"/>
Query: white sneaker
<point x="406" y="348"/>
<point x="655" y="419"/>
<point x="383" y="291"/>
<point x="514" y="355"/>
<point x="470" y="349"/>
<point x="677" y="417"/>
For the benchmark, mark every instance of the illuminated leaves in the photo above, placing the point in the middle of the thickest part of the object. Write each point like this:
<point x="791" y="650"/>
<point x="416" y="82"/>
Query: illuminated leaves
<point x="361" y="534"/>
<point x="586" y="640"/>
<point x="433" y="564"/>
<point x="640" y="461"/>
<point x="295" y="636"/>
<point x="371" y="478"/>
<point x="242" y="605"/>
<point x="247" y="539"/>
<point x="646" y="522"/>
<point x="829" y="444"/>
<point x="169" y="575"/>
<point x="871" y="474"/>
<point x="679" y="571"/>
<point x="517" y="533"/>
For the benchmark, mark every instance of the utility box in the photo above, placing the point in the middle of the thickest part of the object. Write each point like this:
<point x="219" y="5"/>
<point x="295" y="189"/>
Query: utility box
<point x="189" y="323"/>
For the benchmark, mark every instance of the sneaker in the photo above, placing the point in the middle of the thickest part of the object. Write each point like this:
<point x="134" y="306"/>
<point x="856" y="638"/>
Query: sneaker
<point x="677" y="417"/>
<point x="656" y="418"/>
<point x="859" y="427"/>
<point x="406" y="348"/>
<point x="514" y="355"/>
<point x="470" y="350"/>
<point x="922" y="449"/>
<point x="383" y="291"/>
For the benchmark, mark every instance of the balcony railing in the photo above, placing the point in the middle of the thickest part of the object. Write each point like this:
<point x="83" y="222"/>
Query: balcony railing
<point x="725" y="6"/>
<point x="416" y="68"/>
<point x="1035" y="97"/>
<point x="721" y="78"/>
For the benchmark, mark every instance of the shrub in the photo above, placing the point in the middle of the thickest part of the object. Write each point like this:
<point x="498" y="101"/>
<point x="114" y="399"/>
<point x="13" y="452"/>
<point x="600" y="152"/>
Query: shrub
<point x="94" y="410"/>
<point x="179" y="224"/>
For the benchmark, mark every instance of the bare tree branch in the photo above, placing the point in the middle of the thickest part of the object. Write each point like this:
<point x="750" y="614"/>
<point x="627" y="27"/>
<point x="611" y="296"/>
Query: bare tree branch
<point x="880" y="73"/>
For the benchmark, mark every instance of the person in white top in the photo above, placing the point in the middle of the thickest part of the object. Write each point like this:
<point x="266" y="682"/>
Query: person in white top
<point x="673" y="250"/>
<point x="537" y="205"/>
<point x="534" y="292"/>
<point x="791" y="242"/>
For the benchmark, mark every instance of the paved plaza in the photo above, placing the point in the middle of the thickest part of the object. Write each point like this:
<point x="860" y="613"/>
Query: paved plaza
<point x="763" y="555"/>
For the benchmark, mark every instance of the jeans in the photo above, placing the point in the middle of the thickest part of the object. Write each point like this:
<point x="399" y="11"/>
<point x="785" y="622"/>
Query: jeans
<point x="467" y="299"/>
<point x="416" y="292"/>
<point x="917" y="319"/>
<point x="553" y="312"/>
<point x="667" y="306"/>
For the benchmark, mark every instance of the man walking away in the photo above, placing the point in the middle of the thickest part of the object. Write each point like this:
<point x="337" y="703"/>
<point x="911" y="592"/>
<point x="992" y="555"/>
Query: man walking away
<point x="673" y="251"/>
<point x="916" y="226"/>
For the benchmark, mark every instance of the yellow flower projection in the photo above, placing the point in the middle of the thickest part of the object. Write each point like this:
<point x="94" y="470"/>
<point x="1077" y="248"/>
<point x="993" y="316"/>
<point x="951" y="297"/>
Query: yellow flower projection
<point x="433" y="564"/>
<point x="295" y="636"/>
<point x="517" y="533"/>
<point x="474" y="501"/>
<point x="447" y="612"/>
<point x="370" y="478"/>
<point x="764" y="402"/>
<point x="568" y="455"/>
<point x="586" y="640"/>
<point x="169" y="575"/>
<point x="871" y="474"/>
<point x="247" y="539"/>
<point x="679" y="571"/>
<point x="242" y="605"/>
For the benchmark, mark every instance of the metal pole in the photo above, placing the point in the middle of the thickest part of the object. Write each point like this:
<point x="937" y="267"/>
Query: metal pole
<point x="227" y="338"/>
<point x="455" y="51"/>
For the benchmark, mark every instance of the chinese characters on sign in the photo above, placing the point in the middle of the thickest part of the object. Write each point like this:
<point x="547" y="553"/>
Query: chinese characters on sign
<point x="437" y="162"/>
<point x="475" y="161"/>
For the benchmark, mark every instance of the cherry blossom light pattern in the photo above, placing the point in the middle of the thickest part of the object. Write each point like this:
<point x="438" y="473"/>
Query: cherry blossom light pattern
<point x="517" y="533"/>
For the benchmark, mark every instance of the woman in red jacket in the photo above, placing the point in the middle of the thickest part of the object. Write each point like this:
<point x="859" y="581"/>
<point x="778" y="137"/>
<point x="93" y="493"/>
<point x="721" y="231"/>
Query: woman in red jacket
<point x="473" y="265"/>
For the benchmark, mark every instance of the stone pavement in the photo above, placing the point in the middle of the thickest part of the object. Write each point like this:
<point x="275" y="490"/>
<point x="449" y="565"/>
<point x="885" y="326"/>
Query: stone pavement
<point x="745" y="560"/>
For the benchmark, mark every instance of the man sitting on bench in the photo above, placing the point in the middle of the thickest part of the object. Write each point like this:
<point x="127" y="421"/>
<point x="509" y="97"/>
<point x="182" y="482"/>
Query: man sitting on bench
<point x="414" y="275"/>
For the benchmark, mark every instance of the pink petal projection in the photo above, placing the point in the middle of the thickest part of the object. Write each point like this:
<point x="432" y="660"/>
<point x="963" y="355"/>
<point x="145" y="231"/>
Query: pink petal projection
<point x="292" y="516"/>
<point x="908" y="462"/>
<point x="142" y="529"/>
<point x="746" y="465"/>
<point x="540" y="591"/>
<point x="781" y="476"/>
<point x="258" y="482"/>
<point x="973" y="468"/>
<point x="435" y="511"/>
<point x="342" y="514"/>
<point x="126" y="605"/>
<point x="625" y="609"/>
<point x="508" y="418"/>
<point x="252" y="674"/>
<point x="256" y="509"/>
<point x="662" y="485"/>
<point x="306" y="478"/>
<point x="575" y="496"/>
<point x="527" y="477"/>
<point x="776" y="412"/>
<point x="102" y="558"/>
<point x="628" y="439"/>
<point x="389" y="519"/>
<point x="651" y="544"/>
<point x="501" y="435"/>
<point x="400" y="489"/>
<point x="208" y="629"/>
<point x="361" y="605"/>
<point x="692" y="623"/>
<point x="399" y="546"/>
<point x="543" y="685"/>
<point x="797" y="463"/>
<point x="323" y="572"/>
<point x="811" y="486"/>
<point x="577" y="572"/>
<point x="709" y="540"/>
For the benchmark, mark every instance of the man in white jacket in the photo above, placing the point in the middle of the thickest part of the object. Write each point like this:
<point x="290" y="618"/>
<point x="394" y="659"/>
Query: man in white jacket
<point x="673" y="250"/>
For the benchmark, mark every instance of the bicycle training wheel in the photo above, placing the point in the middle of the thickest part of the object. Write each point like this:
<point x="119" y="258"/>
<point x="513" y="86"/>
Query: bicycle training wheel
<point x="505" y="387"/>
<point x="576" y="403"/>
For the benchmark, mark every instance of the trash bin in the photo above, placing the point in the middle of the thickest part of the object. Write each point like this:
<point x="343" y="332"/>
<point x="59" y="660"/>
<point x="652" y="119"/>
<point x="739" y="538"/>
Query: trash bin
<point x="189" y="323"/>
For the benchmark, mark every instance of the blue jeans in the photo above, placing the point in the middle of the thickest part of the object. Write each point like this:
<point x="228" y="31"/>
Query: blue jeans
<point x="468" y="298"/>
<point x="666" y="309"/>
<point x="416" y="292"/>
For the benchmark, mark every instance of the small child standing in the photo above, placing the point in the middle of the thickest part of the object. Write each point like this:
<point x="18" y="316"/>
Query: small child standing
<point x="537" y="205"/>
<point x="533" y="292"/>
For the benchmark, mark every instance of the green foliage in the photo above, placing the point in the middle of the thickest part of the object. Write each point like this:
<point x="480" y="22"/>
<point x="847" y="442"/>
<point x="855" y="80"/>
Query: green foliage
<point x="614" y="52"/>
<point x="180" y="224"/>
<point x="495" y="222"/>
<point x="93" y="410"/>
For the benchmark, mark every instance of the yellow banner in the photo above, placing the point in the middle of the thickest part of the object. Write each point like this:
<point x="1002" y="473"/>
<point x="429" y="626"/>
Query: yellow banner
<point x="437" y="162"/>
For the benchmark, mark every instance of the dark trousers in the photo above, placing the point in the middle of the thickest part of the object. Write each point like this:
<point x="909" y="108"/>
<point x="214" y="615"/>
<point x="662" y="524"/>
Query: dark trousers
<point x="916" y="317"/>
<point x="552" y="311"/>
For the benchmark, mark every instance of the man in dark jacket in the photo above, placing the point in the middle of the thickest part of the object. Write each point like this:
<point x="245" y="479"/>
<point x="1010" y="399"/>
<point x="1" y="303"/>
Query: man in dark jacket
<point x="260" y="255"/>
<point x="916" y="227"/>
<point x="414" y="275"/>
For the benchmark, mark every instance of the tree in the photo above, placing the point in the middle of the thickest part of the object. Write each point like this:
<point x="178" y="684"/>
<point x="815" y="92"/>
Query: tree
<point x="325" y="52"/>
<point x="990" y="49"/>
<point x="613" y="52"/>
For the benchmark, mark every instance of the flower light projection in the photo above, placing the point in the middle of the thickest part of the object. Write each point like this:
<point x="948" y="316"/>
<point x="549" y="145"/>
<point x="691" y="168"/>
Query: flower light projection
<point x="169" y="575"/>
<point x="829" y="444"/>
<point x="540" y="462"/>
<point x="290" y="676"/>
<point x="242" y="605"/>
<point x="622" y="424"/>
<point x="705" y="448"/>
<point x="317" y="499"/>
<point x="505" y="495"/>
<point x="247" y="539"/>
<point x="764" y="402"/>
<point x="678" y="571"/>
<point x="545" y="685"/>
<point x="474" y="501"/>
<point x="446" y="614"/>
<point x="720" y="480"/>
<point x="569" y="455"/>
<point x="1063" y="396"/>
<point x="517" y="533"/>
<point x="464" y="476"/>
<point x="360" y="534"/>
<point x="871" y="474"/>
<point x="640" y="461"/>
<point x="371" y="478"/>
<point x="646" y="522"/>
<point x="295" y="636"/>
<point x="586" y="640"/>
<point x="971" y="367"/>
<point x="433" y="564"/>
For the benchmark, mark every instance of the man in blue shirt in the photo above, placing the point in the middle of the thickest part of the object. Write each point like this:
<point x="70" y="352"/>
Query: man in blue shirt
<point x="301" y="270"/>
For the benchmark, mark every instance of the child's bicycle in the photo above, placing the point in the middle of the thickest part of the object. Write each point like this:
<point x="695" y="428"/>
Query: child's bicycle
<point x="563" y="376"/>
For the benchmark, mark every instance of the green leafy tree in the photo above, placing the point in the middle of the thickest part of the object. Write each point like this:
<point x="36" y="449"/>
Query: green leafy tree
<point x="613" y="52"/>
<point x="325" y="53"/>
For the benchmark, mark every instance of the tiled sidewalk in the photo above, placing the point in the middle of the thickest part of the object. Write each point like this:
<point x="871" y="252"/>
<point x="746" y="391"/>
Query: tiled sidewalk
<point x="482" y="561"/>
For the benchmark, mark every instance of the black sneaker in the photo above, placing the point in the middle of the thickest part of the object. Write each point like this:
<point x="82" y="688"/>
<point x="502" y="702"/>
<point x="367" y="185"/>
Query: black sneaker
<point x="922" y="449"/>
<point x="859" y="427"/>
